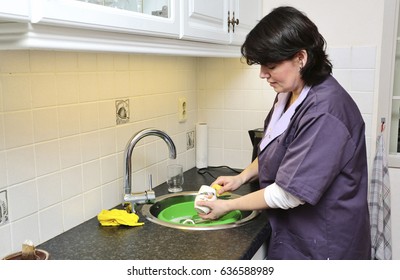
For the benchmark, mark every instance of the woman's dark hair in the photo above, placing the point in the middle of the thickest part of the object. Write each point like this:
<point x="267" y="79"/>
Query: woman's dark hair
<point x="282" y="34"/>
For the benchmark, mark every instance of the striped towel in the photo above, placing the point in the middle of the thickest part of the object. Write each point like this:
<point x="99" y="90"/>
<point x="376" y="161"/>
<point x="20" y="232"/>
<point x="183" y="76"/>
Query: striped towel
<point x="379" y="205"/>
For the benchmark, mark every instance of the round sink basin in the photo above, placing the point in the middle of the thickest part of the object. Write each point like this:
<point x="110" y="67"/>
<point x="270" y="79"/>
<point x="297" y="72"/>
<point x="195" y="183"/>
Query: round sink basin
<point x="177" y="211"/>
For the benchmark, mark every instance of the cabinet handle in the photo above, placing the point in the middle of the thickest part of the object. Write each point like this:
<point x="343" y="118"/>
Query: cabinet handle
<point x="232" y="21"/>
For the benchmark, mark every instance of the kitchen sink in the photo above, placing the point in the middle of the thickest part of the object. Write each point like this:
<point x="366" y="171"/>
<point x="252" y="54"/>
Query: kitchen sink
<point x="176" y="210"/>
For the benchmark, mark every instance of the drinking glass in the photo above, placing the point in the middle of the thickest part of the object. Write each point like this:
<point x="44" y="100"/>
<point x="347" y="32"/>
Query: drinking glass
<point x="174" y="177"/>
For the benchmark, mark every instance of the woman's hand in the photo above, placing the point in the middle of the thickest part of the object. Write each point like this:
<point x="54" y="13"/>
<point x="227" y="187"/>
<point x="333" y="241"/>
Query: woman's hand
<point x="218" y="208"/>
<point x="232" y="183"/>
<point x="228" y="183"/>
<point x="249" y="202"/>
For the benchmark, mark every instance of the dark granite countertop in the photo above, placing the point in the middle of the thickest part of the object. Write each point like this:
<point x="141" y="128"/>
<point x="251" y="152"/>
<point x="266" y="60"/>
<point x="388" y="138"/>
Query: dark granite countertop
<point x="91" y="241"/>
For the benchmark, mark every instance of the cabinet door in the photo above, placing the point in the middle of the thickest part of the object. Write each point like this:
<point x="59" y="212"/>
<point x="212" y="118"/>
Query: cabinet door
<point x="15" y="10"/>
<point x="205" y="20"/>
<point x="79" y="14"/>
<point x="249" y="13"/>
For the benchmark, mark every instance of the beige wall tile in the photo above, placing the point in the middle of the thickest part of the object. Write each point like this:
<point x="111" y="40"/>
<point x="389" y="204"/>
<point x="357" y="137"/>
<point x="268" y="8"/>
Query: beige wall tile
<point x="70" y="151"/>
<point x="14" y="62"/>
<point x="71" y="182"/>
<point x="24" y="194"/>
<point x="88" y="87"/>
<point x="43" y="89"/>
<point x="49" y="190"/>
<point x="3" y="170"/>
<point x="67" y="85"/>
<point x="90" y="144"/>
<point x="43" y="61"/>
<point x="73" y="212"/>
<point x="87" y="62"/>
<point x="66" y="62"/>
<point x="16" y="92"/>
<point x="18" y="129"/>
<point x="47" y="157"/>
<point x="91" y="175"/>
<point x="51" y="222"/>
<point x="69" y="120"/>
<point x="45" y="124"/>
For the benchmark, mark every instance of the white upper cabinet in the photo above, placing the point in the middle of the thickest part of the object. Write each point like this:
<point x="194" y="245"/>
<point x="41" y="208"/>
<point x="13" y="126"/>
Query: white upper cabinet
<point x="219" y="21"/>
<point x="151" y="17"/>
<point x="205" y="20"/>
<point x="15" y="10"/>
<point x="249" y="13"/>
<point x="176" y="27"/>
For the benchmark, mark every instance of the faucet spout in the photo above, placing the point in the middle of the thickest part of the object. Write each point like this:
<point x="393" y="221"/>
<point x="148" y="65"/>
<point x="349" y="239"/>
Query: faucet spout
<point x="128" y="162"/>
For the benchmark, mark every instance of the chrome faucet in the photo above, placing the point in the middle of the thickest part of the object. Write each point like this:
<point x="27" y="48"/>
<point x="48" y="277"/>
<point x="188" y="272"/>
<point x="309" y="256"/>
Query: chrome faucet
<point x="131" y="199"/>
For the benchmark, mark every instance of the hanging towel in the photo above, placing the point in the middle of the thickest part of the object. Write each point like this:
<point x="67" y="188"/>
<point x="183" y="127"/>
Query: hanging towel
<point x="116" y="217"/>
<point x="379" y="205"/>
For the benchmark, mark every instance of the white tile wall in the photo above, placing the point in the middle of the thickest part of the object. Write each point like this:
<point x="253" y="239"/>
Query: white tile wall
<point x="49" y="190"/>
<point x="61" y="153"/>
<point x="355" y="69"/>
<point x="24" y="198"/>
<point x="19" y="130"/>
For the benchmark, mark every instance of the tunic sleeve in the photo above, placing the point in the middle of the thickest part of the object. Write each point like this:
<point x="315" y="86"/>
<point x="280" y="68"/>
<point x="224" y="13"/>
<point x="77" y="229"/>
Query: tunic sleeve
<point x="319" y="149"/>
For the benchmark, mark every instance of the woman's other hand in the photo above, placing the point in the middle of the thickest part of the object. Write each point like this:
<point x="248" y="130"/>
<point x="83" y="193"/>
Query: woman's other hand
<point x="228" y="183"/>
<point x="218" y="208"/>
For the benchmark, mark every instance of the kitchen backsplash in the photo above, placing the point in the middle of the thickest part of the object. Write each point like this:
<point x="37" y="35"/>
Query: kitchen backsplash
<point x="61" y="151"/>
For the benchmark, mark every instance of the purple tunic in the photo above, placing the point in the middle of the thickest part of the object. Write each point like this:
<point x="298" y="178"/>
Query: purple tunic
<point x="321" y="159"/>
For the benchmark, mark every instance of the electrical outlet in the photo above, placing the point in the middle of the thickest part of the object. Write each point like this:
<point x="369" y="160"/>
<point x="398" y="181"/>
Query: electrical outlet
<point x="3" y="207"/>
<point x="190" y="140"/>
<point x="182" y="109"/>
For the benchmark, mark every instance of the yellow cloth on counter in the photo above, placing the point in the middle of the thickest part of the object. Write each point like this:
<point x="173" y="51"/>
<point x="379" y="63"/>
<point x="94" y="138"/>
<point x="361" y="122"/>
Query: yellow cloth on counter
<point x="116" y="217"/>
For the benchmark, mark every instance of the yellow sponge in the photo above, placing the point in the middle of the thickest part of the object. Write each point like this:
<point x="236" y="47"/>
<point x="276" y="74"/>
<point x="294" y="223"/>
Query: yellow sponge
<point x="217" y="188"/>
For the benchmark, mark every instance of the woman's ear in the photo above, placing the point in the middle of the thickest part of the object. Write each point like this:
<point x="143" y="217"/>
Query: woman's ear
<point x="302" y="56"/>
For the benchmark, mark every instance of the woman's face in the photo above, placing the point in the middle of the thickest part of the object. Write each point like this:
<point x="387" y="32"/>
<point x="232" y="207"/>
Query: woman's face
<point x="284" y="76"/>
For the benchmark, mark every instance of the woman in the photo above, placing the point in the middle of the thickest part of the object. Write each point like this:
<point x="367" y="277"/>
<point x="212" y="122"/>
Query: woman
<point x="311" y="164"/>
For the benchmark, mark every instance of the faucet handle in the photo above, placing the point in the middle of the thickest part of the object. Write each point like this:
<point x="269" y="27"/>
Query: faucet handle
<point x="150" y="196"/>
<point x="150" y="182"/>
